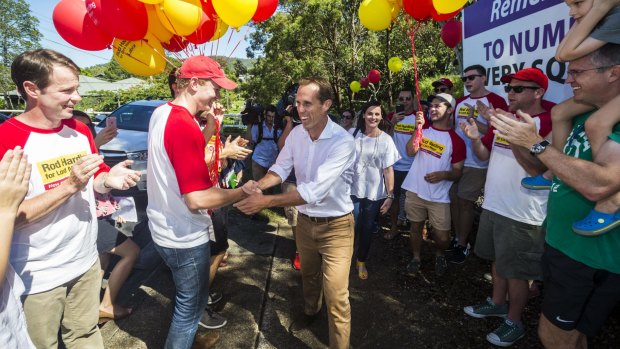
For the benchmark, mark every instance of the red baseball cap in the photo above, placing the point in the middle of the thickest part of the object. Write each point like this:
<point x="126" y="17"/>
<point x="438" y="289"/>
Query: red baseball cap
<point x="528" y="74"/>
<point x="443" y="81"/>
<point x="205" y="68"/>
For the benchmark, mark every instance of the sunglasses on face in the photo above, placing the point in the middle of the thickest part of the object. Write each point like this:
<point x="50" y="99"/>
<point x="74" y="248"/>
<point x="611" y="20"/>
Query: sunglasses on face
<point x="441" y="89"/>
<point x="404" y="98"/>
<point x="519" y="89"/>
<point x="470" y="77"/>
<point x="347" y="116"/>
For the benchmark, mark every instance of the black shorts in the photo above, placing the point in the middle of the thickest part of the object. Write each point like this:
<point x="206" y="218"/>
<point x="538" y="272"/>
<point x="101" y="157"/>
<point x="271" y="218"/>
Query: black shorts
<point x="399" y="178"/>
<point x="108" y="235"/>
<point x="577" y="296"/>
<point x="219" y="218"/>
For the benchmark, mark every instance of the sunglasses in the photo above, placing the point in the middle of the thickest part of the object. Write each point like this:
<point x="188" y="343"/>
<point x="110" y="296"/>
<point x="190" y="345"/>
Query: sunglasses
<point x="441" y="89"/>
<point x="519" y="89"/>
<point x="404" y="98"/>
<point x="470" y="77"/>
<point x="347" y="116"/>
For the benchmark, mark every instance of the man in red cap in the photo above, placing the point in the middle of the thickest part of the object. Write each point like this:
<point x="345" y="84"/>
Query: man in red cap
<point x="180" y="192"/>
<point x="443" y="85"/>
<point x="510" y="233"/>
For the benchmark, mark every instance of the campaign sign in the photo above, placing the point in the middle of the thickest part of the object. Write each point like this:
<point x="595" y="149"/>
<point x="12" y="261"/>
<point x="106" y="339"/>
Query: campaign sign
<point x="505" y="36"/>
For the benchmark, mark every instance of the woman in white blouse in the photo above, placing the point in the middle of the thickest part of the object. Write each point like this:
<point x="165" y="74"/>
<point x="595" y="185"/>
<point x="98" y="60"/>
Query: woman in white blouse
<point x="373" y="180"/>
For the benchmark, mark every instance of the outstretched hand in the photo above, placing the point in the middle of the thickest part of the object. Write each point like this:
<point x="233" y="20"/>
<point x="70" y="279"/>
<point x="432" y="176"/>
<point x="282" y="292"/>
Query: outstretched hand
<point x="14" y="177"/>
<point x="121" y="177"/>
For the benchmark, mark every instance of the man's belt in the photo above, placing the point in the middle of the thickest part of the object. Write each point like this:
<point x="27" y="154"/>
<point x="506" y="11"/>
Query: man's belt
<point x="322" y="219"/>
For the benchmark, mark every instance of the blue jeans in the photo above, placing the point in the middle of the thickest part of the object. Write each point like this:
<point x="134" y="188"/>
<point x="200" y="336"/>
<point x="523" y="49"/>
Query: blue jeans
<point x="365" y="212"/>
<point x="190" y="272"/>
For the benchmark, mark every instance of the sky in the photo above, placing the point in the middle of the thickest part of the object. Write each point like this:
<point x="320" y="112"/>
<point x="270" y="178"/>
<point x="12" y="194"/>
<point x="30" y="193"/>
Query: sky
<point x="43" y="9"/>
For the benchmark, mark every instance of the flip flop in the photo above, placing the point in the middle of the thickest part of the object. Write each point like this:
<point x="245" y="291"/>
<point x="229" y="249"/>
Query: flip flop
<point x="363" y="275"/>
<point x="536" y="183"/>
<point x="597" y="223"/>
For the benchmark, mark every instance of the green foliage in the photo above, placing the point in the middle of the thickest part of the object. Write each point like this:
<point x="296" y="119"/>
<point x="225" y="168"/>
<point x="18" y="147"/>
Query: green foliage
<point x="325" y="38"/>
<point x="18" y="33"/>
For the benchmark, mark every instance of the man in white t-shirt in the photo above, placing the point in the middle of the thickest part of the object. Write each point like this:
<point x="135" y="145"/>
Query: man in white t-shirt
<point x="438" y="163"/>
<point x="466" y="191"/>
<point x="510" y="231"/>
<point x="404" y="122"/>
<point x="180" y="191"/>
<point x="54" y="248"/>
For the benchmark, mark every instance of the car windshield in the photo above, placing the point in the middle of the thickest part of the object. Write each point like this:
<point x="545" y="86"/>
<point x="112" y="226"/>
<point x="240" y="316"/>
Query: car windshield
<point x="132" y="117"/>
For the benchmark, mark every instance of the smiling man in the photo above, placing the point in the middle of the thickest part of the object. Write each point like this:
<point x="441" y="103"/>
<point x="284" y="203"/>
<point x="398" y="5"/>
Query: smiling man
<point x="322" y="153"/>
<point x="54" y="248"/>
<point x="582" y="273"/>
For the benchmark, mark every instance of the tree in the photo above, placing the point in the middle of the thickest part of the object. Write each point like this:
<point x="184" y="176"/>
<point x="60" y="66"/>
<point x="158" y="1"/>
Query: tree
<point x="326" y="38"/>
<point x="18" y="33"/>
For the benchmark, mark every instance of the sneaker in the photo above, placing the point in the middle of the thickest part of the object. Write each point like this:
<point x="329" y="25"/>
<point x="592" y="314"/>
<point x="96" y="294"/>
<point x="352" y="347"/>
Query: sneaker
<point x="413" y="267"/>
<point x="296" y="262"/>
<point x="597" y="223"/>
<point x="458" y="255"/>
<point x="506" y="334"/>
<point x="536" y="183"/>
<point x="402" y="222"/>
<point x="487" y="309"/>
<point x="214" y="297"/>
<point x="212" y="320"/>
<point x="488" y="277"/>
<point x="440" y="265"/>
<point x="453" y="245"/>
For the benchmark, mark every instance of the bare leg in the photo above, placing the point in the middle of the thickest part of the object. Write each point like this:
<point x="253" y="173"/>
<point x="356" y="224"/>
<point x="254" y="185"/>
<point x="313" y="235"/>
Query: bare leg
<point x="518" y="291"/>
<point x="442" y="241"/>
<point x="500" y="287"/>
<point x="554" y="337"/>
<point x="128" y="251"/>
<point x="466" y="220"/>
<point x="215" y="264"/>
<point x="415" y="237"/>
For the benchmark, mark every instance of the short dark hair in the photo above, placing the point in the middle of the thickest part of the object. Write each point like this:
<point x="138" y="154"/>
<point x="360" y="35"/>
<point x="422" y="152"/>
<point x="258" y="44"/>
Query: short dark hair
<point x="37" y="66"/>
<point x="478" y="68"/>
<point x="271" y="108"/>
<point x="172" y="79"/>
<point x="607" y="55"/>
<point x="325" y="88"/>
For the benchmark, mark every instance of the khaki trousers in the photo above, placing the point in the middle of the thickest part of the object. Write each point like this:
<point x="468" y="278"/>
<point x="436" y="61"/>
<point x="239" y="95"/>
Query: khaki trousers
<point x="72" y="307"/>
<point x="325" y="250"/>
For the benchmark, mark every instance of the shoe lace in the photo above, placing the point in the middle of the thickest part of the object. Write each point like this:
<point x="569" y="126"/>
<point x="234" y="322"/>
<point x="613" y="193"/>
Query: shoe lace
<point x="507" y="330"/>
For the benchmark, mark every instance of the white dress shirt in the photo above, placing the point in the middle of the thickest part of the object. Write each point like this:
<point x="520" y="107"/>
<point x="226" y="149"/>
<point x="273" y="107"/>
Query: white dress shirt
<point x="324" y="169"/>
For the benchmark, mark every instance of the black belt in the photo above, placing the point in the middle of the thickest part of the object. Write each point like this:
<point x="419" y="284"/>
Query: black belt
<point x="322" y="219"/>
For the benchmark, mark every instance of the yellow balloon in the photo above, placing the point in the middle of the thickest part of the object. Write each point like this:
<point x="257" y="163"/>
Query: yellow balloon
<point x="156" y="28"/>
<point x="235" y="13"/>
<point x="355" y="86"/>
<point x="375" y="14"/>
<point x="180" y="17"/>
<point x="152" y="2"/>
<point x="395" y="64"/>
<point x="141" y="57"/>
<point x="448" y="6"/>
<point x="396" y="6"/>
<point x="220" y="30"/>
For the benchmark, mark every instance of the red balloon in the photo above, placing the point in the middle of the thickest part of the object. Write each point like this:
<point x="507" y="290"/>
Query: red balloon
<point x="452" y="33"/>
<point x="122" y="19"/>
<point x="374" y="76"/>
<point x="265" y="9"/>
<point x="420" y="10"/>
<point x="176" y="44"/>
<point x="75" y="26"/>
<point x="207" y="26"/>
<point x="364" y="82"/>
<point x="443" y="17"/>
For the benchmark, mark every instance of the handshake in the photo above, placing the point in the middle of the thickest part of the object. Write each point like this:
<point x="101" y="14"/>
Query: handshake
<point x="254" y="200"/>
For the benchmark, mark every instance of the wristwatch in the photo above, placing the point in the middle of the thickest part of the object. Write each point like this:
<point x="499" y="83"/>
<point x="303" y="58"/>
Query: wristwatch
<point x="390" y="196"/>
<point x="539" y="147"/>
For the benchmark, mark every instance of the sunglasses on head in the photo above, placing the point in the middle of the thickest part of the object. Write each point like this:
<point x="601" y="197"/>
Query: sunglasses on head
<point x="519" y="89"/>
<point x="404" y="98"/>
<point x="441" y="89"/>
<point x="469" y="77"/>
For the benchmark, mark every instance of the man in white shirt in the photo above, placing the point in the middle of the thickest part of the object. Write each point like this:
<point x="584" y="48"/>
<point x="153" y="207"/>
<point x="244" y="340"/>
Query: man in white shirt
<point x="54" y="248"/>
<point x="180" y="190"/>
<point x="265" y="141"/>
<point x="322" y="153"/>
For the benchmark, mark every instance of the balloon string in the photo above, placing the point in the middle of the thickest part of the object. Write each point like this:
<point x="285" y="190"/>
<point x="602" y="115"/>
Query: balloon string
<point x="412" y="33"/>
<point x="237" y="45"/>
<point x="159" y="53"/>
<point x="130" y="56"/>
